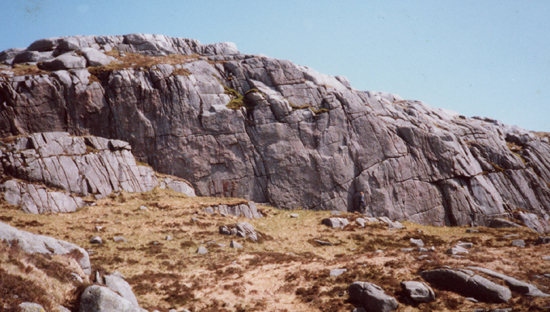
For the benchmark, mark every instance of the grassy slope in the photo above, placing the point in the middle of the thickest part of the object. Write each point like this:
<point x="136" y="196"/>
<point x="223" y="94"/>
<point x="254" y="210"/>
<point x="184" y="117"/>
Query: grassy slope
<point x="286" y="271"/>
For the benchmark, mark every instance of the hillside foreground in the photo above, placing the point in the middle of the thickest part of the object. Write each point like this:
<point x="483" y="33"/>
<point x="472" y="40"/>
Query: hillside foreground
<point x="287" y="270"/>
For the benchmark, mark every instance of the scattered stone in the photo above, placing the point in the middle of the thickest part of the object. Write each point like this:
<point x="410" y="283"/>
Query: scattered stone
<point x="361" y="221"/>
<point x="547" y="258"/>
<point x="202" y="250"/>
<point x="420" y="249"/>
<point x="465" y="245"/>
<point x="396" y="225"/>
<point x="194" y="220"/>
<point x="407" y="249"/>
<point x="371" y="297"/>
<point x="466" y="283"/>
<point x="417" y="242"/>
<point x="294" y="215"/>
<point x="472" y="231"/>
<point x="418" y="291"/>
<point x="234" y="244"/>
<point x="511" y="235"/>
<point x="142" y="208"/>
<point x="335" y="223"/>
<point x="514" y="284"/>
<point x="96" y="240"/>
<point x="335" y="213"/>
<point x="98" y="228"/>
<point x="457" y="250"/>
<point x="323" y="243"/>
<point x="547" y="275"/>
<point x="432" y="249"/>
<point x="474" y="300"/>
<point x="518" y="243"/>
<point x="423" y="257"/>
<point x="337" y="272"/>
<point x="119" y="239"/>
<point x="168" y="238"/>
<point x="77" y="278"/>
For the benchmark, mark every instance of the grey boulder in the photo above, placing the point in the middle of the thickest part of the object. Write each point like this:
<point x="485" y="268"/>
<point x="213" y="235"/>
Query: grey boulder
<point x="119" y="285"/>
<point x="335" y="223"/>
<point x="31" y="307"/>
<point x="64" y="61"/>
<point x="514" y="284"/>
<point x="33" y="243"/>
<point x="94" y="57"/>
<point x="466" y="283"/>
<point x="418" y="291"/>
<point x="101" y="299"/>
<point x="372" y="297"/>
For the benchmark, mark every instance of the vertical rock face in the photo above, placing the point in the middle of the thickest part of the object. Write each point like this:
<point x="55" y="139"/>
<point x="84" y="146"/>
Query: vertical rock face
<point x="299" y="138"/>
<point x="49" y="171"/>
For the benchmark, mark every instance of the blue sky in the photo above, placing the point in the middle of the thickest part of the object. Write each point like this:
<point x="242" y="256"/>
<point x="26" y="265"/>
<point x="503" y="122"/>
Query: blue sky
<point x="479" y="58"/>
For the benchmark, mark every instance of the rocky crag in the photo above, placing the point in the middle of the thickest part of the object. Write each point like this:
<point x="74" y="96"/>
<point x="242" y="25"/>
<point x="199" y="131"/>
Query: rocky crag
<point x="271" y="131"/>
<point x="52" y="172"/>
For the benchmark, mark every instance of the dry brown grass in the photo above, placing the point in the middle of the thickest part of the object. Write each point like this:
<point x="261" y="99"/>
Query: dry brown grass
<point x="283" y="273"/>
<point x="131" y="60"/>
<point x="23" y="69"/>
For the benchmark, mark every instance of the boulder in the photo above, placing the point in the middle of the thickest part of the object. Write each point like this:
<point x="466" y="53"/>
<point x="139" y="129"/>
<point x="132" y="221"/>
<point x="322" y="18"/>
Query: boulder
<point x="514" y="284"/>
<point x="418" y="291"/>
<point x="466" y="283"/>
<point x="499" y="223"/>
<point x="32" y="57"/>
<point x="457" y="250"/>
<point x="371" y="297"/>
<point x="94" y="57"/>
<point x="120" y="286"/>
<point x="202" y="251"/>
<point x="101" y="299"/>
<point x="234" y="244"/>
<point x="64" y="61"/>
<point x="417" y="242"/>
<point x="33" y="243"/>
<point x="31" y="307"/>
<point x="335" y="223"/>
<point x="337" y="272"/>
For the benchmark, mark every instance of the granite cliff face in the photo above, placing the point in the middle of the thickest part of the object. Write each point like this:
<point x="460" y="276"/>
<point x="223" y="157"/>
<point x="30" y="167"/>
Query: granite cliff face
<point x="271" y="131"/>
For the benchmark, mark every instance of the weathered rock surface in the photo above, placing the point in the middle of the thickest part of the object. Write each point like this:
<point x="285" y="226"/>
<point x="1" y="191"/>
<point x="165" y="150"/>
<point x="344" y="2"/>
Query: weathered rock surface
<point x="418" y="291"/>
<point x="372" y="297"/>
<point x="101" y="299"/>
<point x="301" y="138"/>
<point x="514" y="284"/>
<point x="120" y="286"/>
<point x="249" y="210"/>
<point x="77" y="166"/>
<point x="31" y="307"/>
<point x="33" y="243"/>
<point x="466" y="283"/>
<point x="335" y="223"/>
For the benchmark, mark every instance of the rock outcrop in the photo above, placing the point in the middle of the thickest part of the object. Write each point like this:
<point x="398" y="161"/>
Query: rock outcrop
<point x="248" y="210"/>
<point x="271" y="131"/>
<point x="68" y="167"/>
